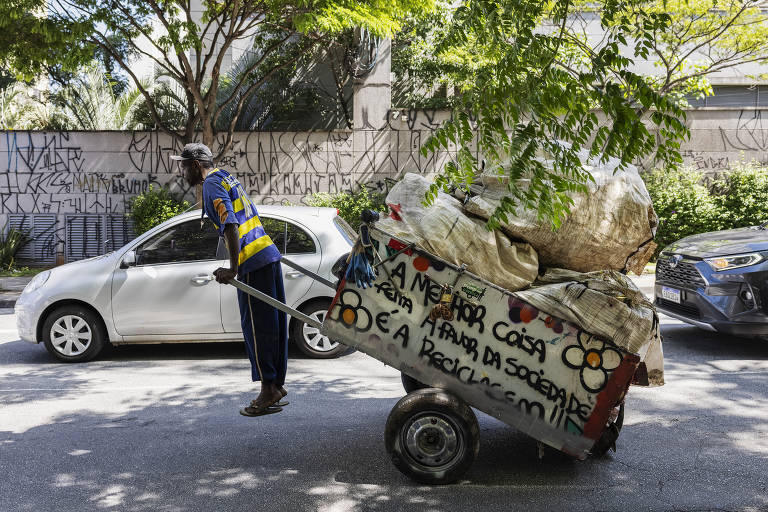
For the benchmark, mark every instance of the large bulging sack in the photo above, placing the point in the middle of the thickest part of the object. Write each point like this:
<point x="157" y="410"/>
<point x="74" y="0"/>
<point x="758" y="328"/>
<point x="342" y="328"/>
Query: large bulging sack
<point x="446" y="231"/>
<point x="610" y="228"/>
<point x="606" y="304"/>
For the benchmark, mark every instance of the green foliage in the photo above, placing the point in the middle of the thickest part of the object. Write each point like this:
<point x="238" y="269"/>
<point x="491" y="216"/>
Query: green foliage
<point x="87" y="101"/>
<point x="741" y="196"/>
<point x="32" y="42"/>
<point x="168" y="103"/>
<point x="17" y="110"/>
<point x="20" y="271"/>
<point x="191" y="55"/>
<point x="11" y="243"/>
<point x="531" y="77"/>
<point x="683" y="203"/>
<point x="423" y="76"/>
<point x="702" y="38"/>
<point x="688" y="203"/>
<point x="351" y="204"/>
<point x="153" y="207"/>
<point x="529" y="99"/>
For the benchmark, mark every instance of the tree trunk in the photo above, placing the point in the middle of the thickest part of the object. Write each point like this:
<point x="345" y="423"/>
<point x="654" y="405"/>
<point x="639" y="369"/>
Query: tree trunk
<point x="209" y="138"/>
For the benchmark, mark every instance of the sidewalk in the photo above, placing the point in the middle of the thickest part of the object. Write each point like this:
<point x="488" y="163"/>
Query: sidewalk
<point x="11" y="288"/>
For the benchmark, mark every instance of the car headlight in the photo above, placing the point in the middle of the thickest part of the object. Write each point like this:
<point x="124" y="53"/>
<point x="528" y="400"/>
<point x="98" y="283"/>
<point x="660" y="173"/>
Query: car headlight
<point x="735" y="261"/>
<point x="37" y="281"/>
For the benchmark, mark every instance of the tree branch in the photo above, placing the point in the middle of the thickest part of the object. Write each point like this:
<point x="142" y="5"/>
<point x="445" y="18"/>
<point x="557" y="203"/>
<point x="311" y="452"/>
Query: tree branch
<point x="181" y="56"/>
<point x="244" y="76"/>
<point x="241" y="102"/>
<point x="148" y="97"/>
<point x="718" y="33"/>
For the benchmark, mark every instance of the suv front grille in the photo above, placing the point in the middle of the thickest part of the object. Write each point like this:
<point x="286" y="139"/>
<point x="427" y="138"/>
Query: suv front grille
<point x="687" y="310"/>
<point x="683" y="274"/>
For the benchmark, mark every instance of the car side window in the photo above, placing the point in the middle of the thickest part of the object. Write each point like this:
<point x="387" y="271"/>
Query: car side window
<point x="276" y="231"/>
<point x="188" y="241"/>
<point x="298" y="241"/>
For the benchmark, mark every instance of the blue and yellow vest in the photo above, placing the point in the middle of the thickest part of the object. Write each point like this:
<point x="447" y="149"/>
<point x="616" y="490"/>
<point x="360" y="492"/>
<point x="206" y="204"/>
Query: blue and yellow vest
<point x="225" y="202"/>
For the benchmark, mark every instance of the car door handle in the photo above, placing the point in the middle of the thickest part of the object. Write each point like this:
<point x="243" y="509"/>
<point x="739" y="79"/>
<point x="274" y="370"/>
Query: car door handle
<point x="293" y="274"/>
<point x="203" y="279"/>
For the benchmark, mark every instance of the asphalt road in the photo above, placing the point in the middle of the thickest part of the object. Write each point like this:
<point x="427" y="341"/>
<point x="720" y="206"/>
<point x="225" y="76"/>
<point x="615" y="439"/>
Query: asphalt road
<point x="157" y="428"/>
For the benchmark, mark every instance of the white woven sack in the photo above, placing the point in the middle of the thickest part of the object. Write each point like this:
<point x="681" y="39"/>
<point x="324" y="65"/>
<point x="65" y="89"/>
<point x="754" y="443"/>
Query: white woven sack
<point x="606" y="304"/>
<point x="611" y="227"/>
<point x="446" y="231"/>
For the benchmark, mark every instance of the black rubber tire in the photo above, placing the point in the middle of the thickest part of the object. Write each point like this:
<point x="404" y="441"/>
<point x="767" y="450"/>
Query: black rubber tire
<point x="297" y="332"/>
<point x="98" y="335"/>
<point x="410" y="384"/>
<point x="436" y="408"/>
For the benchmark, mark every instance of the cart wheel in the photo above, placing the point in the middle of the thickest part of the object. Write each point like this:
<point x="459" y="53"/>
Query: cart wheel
<point x="432" y="436"/>
<point x="410" y="384"/>
<point x="611" y="433"/>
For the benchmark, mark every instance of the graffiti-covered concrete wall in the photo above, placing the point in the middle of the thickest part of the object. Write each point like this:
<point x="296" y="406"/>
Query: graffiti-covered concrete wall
<point x="97" y="172"/>
<point x="62" y="185"/>
<point x="58" y="184"/>
<point x="721" y="137"/>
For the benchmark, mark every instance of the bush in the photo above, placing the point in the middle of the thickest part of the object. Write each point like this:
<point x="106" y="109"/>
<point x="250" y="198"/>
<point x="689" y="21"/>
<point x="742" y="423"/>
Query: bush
<point x="687" y="202"/>
<point x="10" y="244"/>
<point x="350" y="205"/>
<point x="153" y="207"/>
<point x="742" y="196"/>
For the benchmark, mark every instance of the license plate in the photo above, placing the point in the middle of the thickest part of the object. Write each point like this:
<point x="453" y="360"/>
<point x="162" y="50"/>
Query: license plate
<point x="670" y="294"/>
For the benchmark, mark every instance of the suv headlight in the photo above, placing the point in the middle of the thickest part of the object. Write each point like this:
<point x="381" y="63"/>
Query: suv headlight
<point x="735" y="261"/>
<point x="37" y="281"/>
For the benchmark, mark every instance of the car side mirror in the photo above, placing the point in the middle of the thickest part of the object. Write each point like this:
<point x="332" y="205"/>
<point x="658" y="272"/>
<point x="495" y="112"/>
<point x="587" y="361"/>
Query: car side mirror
<point x="129" y="259"/>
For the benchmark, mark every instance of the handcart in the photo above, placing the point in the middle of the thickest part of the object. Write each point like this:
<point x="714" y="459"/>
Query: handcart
<point x="460" y="342"/>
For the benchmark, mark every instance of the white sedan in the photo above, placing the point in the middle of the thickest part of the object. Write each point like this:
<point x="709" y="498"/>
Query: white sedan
<point x="158" y="288"/>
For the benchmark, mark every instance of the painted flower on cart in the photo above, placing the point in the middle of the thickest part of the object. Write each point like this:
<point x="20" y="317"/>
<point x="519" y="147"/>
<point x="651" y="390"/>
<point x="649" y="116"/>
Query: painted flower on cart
<point x="594" y="360"/>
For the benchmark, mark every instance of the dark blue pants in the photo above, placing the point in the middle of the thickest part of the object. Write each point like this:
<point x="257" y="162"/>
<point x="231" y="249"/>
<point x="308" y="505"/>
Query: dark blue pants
<point x="265" y="328"/>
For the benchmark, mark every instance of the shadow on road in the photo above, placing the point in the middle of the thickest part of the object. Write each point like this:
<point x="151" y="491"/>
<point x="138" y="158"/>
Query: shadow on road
<point x="186" y="448"/>
<point x="683" y="339"/>
<point x="37" y="355"/>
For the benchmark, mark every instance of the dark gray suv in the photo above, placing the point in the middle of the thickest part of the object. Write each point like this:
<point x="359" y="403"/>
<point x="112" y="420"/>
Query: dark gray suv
<point x="717" y="281"/>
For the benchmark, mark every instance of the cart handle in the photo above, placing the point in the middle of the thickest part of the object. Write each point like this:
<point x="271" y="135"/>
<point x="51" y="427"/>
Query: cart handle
<point x="307" y="272"/>
<point x="253" y="292"/>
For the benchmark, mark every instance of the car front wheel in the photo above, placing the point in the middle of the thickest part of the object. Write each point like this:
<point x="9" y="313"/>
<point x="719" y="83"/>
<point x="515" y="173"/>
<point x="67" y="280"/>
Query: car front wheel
<point x="309" y="339"/>
<point x="73" y="334"/>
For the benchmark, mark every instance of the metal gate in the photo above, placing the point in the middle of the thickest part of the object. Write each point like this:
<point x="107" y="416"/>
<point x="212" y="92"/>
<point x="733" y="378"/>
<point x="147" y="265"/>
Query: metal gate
<point x="82" y="236"/>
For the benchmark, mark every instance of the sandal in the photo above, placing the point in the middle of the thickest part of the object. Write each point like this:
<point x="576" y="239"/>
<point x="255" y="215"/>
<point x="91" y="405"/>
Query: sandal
<point x="278" y="404"/>
<point x="260" y="410"/>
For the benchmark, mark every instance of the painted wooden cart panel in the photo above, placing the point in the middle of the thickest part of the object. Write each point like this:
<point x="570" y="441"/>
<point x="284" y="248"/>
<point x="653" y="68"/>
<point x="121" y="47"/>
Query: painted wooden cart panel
<point x="540" y="374"/>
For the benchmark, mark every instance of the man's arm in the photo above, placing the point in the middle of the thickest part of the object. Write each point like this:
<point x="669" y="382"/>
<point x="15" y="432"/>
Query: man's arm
<point x="221" y="206"/>
<point x="232" y="239"/>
